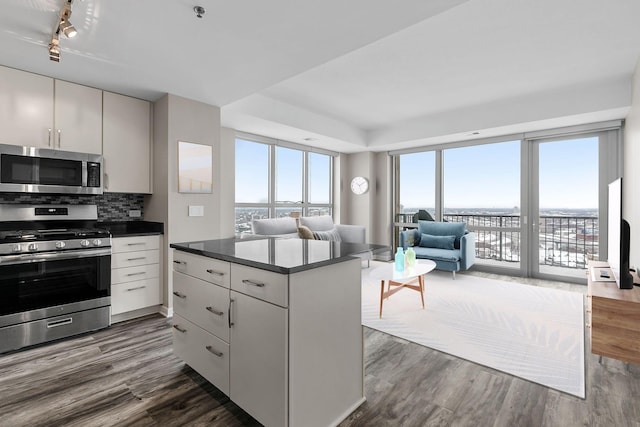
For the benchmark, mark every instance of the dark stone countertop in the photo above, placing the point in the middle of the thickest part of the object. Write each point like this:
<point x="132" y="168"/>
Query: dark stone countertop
<point x="131" y="228"/>
<point x="280" y="255"/>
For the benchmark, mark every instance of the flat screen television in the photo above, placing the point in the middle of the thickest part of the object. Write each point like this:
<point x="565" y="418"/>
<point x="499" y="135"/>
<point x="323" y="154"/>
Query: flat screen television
<point x="619" y="235"/>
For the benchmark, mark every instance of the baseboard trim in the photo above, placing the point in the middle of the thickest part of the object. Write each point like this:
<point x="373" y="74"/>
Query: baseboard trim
<point x="166" y="311"/>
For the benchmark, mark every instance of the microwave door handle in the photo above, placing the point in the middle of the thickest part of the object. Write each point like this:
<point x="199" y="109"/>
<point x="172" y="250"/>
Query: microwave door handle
<point x="49" y="143"/>
<point x="59" y="138"/>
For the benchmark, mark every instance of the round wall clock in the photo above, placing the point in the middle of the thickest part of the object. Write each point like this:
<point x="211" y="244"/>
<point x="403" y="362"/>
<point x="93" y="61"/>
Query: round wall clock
<point x="359" y="185"/>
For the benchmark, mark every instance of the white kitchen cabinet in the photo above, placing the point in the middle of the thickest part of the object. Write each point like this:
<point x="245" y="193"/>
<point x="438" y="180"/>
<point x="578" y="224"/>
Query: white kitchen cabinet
<point x="135" y="275"/>
<point x="38" y="111"/>
<point x="126" y="144"/>
<point x="78" y="118"/>
<point x="26" y="109"/>
<point x="259" y="363"/>
<point x="287" y="348"/>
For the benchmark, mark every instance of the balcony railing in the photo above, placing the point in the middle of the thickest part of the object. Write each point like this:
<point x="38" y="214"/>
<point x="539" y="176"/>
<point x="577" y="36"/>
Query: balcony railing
<point x="564" y="241"/>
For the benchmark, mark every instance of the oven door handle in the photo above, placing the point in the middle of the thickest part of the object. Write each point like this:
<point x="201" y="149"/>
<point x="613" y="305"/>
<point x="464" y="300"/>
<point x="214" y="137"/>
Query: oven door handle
<point x="52" y="256"/>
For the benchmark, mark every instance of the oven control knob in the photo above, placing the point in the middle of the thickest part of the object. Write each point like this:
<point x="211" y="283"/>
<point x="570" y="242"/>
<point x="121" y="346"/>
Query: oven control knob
<point x="16" y="248"/>
<point x="97" y="242"/>
<point x="32" y="247"/>
<point x="60" y="245"/>
<point x="84" y="243"/>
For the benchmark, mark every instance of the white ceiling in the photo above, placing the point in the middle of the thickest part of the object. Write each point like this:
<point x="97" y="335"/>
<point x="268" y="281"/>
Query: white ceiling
<point x="353" y="76"/>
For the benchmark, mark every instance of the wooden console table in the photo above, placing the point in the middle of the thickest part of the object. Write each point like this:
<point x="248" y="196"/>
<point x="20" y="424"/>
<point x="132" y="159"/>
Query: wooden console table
<point x="613" y="316"/>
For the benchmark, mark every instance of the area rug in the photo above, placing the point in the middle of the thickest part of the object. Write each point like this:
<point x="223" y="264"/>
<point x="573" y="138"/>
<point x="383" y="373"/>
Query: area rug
<point x="528" y="331"/>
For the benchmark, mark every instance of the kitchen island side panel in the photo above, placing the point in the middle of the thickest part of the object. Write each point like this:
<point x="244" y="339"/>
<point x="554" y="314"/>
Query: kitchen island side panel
<point x="325" y="344"/>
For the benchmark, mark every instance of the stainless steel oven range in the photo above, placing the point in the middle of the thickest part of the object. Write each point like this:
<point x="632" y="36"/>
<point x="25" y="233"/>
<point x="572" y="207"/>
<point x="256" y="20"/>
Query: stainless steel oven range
<point x="55" y="273"/>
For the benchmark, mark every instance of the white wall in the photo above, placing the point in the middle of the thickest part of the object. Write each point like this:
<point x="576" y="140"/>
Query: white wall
<point x="179" y="119"/>
<point x="631" y="190"/>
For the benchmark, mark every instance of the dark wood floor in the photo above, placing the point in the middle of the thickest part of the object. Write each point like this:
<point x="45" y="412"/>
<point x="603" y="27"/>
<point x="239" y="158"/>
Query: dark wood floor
<point x="127" y="375"/>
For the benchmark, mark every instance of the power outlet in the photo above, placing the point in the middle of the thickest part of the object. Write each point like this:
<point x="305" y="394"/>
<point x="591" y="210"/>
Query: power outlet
<point x="136" y="213"/>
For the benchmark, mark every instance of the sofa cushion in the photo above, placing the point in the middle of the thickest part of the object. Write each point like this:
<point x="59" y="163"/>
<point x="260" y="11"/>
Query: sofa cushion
<point x="436" y="254"/>
<point x="318" y="223"/>
<point x="271" y="226"/>
<point x="305" y="233"/>
<point x="332" y="235"/>
<point x="441" y="242"/>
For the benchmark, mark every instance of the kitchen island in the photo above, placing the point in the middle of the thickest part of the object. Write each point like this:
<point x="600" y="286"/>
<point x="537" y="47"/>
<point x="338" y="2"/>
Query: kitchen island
<point x="275" y="324"/>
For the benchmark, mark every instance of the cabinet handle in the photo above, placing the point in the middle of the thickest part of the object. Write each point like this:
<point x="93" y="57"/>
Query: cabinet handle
<point x="136" y="288"/>
<point x="106" y="179"/>
<point x="214" y="352"/>
<point x="217" y="273"/>
<point x="49" y="142"/>
<point x="179" y="329"/>
<point x="229" y="312"/>
<point x="136" y="244"/>
<point x="588" y="311"/>
<point x="59" y="138"/>
<point x="62" y="322"/>
<point x="252" y="283"/>
<point x="179" y="295"/>
<point x="180" y="262"/>
<point x="214" y="311"/>
<point x="588" y="325"/>
<point x="137" y="258"/>
<point x="136" y="274"/>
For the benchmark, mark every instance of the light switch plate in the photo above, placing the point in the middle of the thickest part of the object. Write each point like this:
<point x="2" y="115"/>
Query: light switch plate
<point x="196" y="210"/>
<point x="135" y="213"/>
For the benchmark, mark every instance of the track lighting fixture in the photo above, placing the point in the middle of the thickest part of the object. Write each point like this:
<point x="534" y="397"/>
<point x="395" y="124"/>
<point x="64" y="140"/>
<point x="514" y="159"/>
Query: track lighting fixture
<point x="63" y="26"/>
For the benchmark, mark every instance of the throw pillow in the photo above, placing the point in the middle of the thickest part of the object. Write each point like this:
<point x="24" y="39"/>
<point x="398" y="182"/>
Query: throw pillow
<point x="332" y="235"/>
<point x="305" y="233"/>
<point x="440" y="242"/>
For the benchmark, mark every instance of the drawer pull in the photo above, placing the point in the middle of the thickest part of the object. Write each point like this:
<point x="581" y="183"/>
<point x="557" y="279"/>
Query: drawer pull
<point x="136" y="288"/>
<point x="179" y="329"/>
<point x="588" y="311"/>
<point x="137" y="274"/>
<point x="180" y="262"/>
<point x="588" y="325"/>
<point x="62" y="322"/>
<point x="214" y="311"/>
<point x="136" y="244"/>
<point x="214" y="352"/>
<point x="179" y="295"/>
<point x="252" y="283"/>
<point x="137" y="258"/>
<point x="217" y="273"/>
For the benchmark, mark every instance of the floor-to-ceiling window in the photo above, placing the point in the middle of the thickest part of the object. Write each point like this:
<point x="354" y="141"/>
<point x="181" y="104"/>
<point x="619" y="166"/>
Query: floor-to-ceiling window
<point x="278" y="179"/>
<point x="481" y="187"/>
<point x="536" y="202"/>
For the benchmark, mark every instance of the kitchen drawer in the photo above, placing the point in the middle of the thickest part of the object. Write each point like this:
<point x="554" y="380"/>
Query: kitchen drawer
<point x="203" y="303"/>
<point x="134" y="244"/>
<point x="265" y="285"/>
<point x="131" y="274"/>
<point x="132" y="259"/>
<point x="135" y="295"/>
<point x="208" y="269"/>
<point x="205" y="353"/>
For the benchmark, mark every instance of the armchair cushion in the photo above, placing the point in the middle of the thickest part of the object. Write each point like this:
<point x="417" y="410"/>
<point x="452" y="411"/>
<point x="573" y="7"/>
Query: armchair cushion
<point x="318" y="223"/>
<point x="441" y="242"/>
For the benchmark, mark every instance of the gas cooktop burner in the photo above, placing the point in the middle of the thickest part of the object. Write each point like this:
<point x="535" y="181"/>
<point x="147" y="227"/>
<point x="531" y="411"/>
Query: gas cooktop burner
<point x="12" y="236"/>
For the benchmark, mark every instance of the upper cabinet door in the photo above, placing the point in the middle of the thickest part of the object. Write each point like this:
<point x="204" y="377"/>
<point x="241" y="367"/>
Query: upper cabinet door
<point x="78" y="118"/>
<point x="126" y="144"/>
<point x="26" y="109"/>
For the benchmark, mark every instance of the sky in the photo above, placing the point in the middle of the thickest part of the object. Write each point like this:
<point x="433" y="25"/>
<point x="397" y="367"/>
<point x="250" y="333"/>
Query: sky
<point x="482" y="176"/>
<point x="488" y="176"/>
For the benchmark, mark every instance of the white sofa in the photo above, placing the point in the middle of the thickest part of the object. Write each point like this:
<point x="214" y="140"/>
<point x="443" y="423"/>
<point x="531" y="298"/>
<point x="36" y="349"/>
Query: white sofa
<point x="288" y="228"/>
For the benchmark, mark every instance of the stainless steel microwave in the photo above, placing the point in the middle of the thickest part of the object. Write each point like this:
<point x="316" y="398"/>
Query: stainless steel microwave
<point x="41" y="170"/>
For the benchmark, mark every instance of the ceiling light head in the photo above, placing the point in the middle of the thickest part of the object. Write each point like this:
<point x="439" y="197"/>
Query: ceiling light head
<point x="199" y="10"/>
<point x="68" y="29"/>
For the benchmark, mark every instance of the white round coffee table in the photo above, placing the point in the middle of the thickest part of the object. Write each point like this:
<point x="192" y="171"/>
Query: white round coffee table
<point x="402" y="279"/>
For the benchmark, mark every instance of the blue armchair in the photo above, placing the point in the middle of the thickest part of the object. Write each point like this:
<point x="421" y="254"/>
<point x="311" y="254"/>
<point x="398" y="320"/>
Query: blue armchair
<point x="449" y="244"/>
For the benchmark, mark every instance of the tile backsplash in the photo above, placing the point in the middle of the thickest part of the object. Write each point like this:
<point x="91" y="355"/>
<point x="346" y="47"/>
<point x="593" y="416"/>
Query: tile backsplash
<point x="111" y="206"/>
